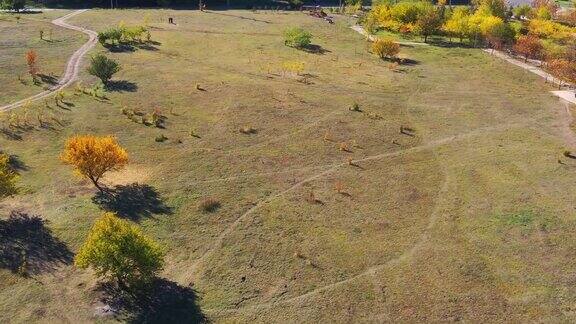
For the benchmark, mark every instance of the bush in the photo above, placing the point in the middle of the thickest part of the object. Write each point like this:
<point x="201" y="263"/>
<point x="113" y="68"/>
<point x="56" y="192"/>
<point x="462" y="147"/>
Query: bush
<point x="160" y="138"/>
<point x="385" y="48"/>
<point x="297" y="37"/>
<point x="209" y="205"/>
<point x="355" y="107"/>
<point x="7" y="177"/>
<point x="123" y="35"/>
<point x="103" y="68"/>
<point x="118" y="250"/>
<point x="248" y="130"/>
<point x="111" y="36"/>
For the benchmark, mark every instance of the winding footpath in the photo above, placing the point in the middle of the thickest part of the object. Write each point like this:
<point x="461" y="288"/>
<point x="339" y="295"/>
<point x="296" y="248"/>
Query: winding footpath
<point x="72" y="67"/>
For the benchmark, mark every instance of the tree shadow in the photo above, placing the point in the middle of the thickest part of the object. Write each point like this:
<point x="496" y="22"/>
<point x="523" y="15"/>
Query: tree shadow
<point x="16" y="163"/>
<point x="163" y="302"/>
<point x="48" y="79"/>
<point x="121" y="48"/>
<point x="407" y="61"/>
<point x="121" y="86"/>
<point x="28" y="247"/>
<point x="148" y="46"/>
<point x="315" y="49"/>
<point x="133" y="201"/>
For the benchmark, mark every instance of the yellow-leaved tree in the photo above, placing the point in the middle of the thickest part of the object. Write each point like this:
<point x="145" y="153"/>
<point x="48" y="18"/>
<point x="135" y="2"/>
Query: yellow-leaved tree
<point x="93" y="156"/>
<point x="7" y="177"/>
<point x="118" y="250"/>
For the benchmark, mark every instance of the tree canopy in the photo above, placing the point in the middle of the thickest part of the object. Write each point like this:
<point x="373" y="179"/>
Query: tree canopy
<point x="118" y="250"/>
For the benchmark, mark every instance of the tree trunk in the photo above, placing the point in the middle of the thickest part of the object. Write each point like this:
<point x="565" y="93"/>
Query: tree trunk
<point x="96" y="184"/>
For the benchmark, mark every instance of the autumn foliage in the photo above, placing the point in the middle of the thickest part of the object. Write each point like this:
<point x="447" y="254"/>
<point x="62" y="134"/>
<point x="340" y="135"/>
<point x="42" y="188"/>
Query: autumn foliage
<point x="385" y="48"/>
<point x="93" y="156"/>
<point x="562" y="69"/>
<point x="32" y="62"/>
<point x="528" y="46"/>
<point x="118" y="250"/>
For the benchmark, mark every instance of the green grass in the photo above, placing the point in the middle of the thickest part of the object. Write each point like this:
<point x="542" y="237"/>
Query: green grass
<point x="470" y="219"/>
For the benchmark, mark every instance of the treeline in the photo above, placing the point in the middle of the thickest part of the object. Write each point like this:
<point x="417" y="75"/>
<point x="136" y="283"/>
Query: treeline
<point x="539" y="31"/>
<point x="245" y="4"/>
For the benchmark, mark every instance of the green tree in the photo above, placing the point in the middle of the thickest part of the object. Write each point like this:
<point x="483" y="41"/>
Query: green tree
<point x="7" y="177"/>
<point x="15" y="5"/>
<point x="492" y="7"/>
<point x="428" y="24"/>
<point x="408" y="12"/>
<point x="103" y="68"/>
<point x="495" y="31"/>
<point x="118" y="250"/>
<point x="522" y="11"/>
<point x="543" y="13"/>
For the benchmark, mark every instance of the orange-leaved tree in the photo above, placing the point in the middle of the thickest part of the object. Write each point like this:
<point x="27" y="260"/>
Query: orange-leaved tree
<point x="529" y="47"/>
<point x="563" y="70"/>
<point x="32" y="62"/>
<point x="93" y="156"/>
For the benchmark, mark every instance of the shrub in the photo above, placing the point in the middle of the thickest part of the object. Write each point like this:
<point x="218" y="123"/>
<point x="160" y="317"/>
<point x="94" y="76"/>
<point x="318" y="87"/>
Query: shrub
<point x="247" y="130"/>
<point x="209" y="205"/>
<point x="133" y="33"/>
<point x="8" y="177"/>
<point x="293" y="67"/>
<point x="111" y="36"/>
<point x="93" y="156"/>
<point x="160" y="138"/>
<point x="123" y="35"/>
<point x="297" y="37"/>
<point x="15" y="5"/>
<point x="385" y="48"/>
<point x="355" y="107"/>
<point x="118" y="250"/>
<point x="103" y="68"/>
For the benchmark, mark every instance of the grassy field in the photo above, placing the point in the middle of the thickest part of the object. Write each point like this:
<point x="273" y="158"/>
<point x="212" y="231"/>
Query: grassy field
<point x="21" y="33"/>
<point x="470" y="218"/>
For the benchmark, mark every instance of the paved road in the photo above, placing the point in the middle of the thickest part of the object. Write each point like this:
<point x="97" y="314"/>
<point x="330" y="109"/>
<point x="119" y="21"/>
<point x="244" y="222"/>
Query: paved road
<point x="73" y="66"/>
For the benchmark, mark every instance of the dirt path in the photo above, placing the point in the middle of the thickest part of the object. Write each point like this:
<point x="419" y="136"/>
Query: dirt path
<point x="217" y="244"/>
<point x="565" y="95"/>
<point x="424" y="236"/>
<point x="73" y="66"/>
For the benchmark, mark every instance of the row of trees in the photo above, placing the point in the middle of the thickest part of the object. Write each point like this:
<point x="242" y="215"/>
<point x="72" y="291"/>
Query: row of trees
<point x="530" y="31"/>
